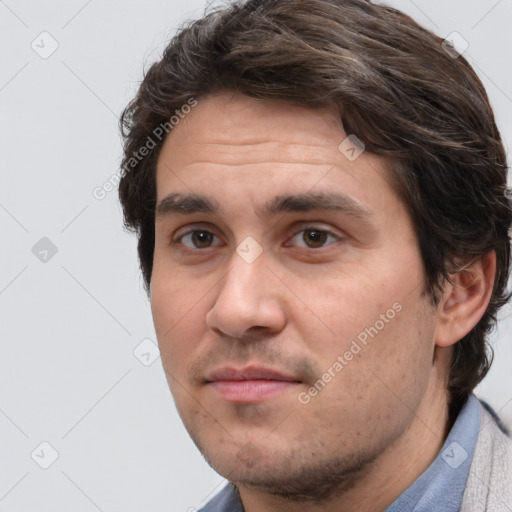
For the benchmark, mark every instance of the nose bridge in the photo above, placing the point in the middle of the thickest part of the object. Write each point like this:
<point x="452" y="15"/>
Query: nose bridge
<point x="245" y="284"/>
<point x="246" y="296"/>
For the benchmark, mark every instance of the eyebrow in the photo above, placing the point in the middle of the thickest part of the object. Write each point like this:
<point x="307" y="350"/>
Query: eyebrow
<point x="188" y="204"/>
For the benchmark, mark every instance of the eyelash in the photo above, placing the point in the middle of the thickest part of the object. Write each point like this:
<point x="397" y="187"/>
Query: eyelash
<point x="309" y="228"/>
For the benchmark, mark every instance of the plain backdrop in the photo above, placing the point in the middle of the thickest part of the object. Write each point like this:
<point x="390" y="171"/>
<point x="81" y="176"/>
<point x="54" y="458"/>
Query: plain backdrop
<point x="73" y="373"/>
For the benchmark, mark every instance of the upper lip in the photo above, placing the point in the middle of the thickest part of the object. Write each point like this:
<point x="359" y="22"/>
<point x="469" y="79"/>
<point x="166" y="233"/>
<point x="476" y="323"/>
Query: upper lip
<point x="248" y="373"/>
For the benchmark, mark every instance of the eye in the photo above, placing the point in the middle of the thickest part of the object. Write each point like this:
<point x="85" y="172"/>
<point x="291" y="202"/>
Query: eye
<point x="313" y="238"/>
<point x="198" y="239"/>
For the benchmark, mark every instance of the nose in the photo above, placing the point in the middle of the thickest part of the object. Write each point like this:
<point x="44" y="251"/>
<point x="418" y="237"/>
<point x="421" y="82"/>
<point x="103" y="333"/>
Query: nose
<point x="249" y="300"/>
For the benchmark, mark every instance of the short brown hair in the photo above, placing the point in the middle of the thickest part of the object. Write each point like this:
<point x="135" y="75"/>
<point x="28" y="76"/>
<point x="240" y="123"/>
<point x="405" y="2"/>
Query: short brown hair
<point x="397" y="88"/>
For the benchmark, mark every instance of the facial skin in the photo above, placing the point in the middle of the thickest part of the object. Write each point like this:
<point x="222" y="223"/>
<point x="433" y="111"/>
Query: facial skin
<point x="323" y="276"/>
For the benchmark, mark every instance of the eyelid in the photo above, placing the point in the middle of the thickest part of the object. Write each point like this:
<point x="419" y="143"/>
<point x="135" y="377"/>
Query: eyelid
<point x="320" y="226"/>
<point x="190" y="228"/>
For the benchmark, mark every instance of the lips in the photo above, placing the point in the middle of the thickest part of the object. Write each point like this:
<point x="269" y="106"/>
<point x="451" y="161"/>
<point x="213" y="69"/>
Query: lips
<point x="249" y="373"/>
<point x="249" y="385"/>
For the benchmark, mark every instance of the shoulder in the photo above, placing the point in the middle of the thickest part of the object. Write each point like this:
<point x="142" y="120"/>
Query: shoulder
<point x="227" y="500"/>
<point x="489" y="485"/>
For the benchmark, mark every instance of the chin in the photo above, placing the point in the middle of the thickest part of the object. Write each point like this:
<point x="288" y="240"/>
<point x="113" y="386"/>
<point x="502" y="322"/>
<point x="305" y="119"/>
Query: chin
<point x="291" y="475"/>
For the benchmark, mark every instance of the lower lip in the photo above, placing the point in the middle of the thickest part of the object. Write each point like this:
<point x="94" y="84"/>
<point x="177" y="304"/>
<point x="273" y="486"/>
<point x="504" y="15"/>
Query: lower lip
<point x="250" y="391"/>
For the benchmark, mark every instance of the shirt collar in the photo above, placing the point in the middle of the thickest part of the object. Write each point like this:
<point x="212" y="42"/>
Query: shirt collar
<point x="442" y="484"/>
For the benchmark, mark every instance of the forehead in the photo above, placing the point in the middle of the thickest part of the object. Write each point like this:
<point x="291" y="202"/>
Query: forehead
<point x="231" y="129"/>
<point x="233" y="115"/>
<point x="228" y="141"/>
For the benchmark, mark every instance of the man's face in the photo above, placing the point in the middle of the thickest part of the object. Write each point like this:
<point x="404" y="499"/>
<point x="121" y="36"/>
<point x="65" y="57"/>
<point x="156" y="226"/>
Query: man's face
<point x="296" y="339"/>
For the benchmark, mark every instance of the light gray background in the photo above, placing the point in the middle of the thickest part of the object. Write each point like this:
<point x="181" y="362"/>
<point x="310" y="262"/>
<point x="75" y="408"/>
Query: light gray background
<point x="69" y="326"/>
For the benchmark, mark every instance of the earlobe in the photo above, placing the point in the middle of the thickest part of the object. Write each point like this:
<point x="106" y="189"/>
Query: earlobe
<point x="465" y="300"/>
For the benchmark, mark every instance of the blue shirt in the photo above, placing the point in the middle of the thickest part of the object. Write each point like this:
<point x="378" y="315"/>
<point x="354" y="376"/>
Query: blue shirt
<point x="439" y="488"/>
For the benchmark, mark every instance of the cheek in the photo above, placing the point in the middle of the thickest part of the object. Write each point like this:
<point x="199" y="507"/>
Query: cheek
<point x="342" y="308"/>
<point x="178" y="316"/>
<point x="366" y="303"/>
<point x="380" y="334"/>
<point x="380" y="386"/>
<point x="178" y="330"/>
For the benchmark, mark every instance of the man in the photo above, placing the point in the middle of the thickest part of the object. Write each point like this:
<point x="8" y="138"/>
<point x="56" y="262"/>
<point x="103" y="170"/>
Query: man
<point x="323" y="231"/>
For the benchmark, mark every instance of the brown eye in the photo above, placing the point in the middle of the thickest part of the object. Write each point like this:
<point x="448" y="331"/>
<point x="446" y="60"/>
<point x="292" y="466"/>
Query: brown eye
<point x="313" y="238"/>
<point x="198" y="239"/>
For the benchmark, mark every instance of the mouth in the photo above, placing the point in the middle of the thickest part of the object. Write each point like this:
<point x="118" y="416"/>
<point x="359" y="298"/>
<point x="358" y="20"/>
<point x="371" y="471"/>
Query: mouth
<point x="249" y="385"/>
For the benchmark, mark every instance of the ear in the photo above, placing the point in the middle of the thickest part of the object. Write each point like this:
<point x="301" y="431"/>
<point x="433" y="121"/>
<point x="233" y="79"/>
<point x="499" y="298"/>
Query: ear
<point x="465" y="299"/>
